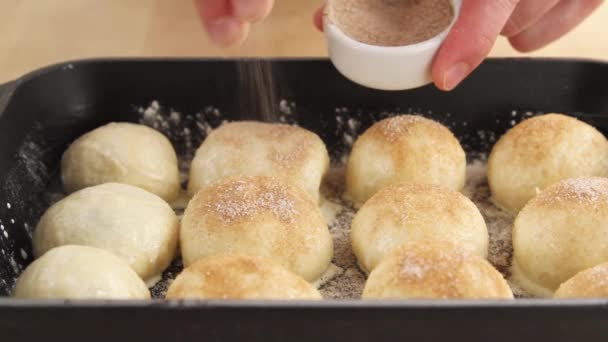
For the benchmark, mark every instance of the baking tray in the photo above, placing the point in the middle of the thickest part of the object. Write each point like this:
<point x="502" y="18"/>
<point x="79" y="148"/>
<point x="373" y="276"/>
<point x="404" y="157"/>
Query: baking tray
<point x="41" y="113"/>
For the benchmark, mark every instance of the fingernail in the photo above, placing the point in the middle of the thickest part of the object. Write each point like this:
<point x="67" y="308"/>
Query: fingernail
<point x="226" y="31"/>
<point x="454" y="75"/>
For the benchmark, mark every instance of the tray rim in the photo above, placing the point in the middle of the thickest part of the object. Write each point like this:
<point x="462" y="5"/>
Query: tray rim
<point x="405" y="304"/>
<point x="8" y="88"/>
<point x="79" y="61"/>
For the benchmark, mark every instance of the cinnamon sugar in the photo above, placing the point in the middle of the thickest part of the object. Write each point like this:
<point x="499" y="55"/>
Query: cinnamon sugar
<point x="588" y="191"/>
<point x="239" y="199"/>
<point x="391" y="22"/>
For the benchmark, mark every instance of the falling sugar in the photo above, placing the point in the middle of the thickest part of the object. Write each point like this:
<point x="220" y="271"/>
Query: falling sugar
<point x="258" y="93"/>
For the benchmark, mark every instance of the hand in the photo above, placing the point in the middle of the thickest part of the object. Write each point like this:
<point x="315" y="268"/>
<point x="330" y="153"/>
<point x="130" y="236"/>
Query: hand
<point x="528" y="24"/>
<point x="227" y="21"/>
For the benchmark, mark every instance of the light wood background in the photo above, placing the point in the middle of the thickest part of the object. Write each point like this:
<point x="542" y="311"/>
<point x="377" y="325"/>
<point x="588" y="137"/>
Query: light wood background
<point x="35" y="33"/>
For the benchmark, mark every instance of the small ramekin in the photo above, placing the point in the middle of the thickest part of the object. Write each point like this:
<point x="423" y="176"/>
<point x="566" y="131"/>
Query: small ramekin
<point x="384" y="67"/>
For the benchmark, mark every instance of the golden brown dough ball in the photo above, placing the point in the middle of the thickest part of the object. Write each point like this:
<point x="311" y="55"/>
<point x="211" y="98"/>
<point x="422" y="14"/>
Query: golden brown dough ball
<point x="404" y="148"/>
<point x="408" y="212"/>
<point x="239" y="277"/>
<point x="259" y="216"/>
<point x="541" y="151"/>
<point x="560" y="232"/>
<point x="261" y="149"/>
<point x="590" y="283"/>
<point x="433" y="270"/>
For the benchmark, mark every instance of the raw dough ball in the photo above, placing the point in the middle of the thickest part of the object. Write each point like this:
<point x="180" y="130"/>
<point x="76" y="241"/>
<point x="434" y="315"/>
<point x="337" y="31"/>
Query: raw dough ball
<point x="80" y="272"/>
<point x="404" y="148"/>
<point x="261" y="149"/>
<point x="591" y="283"/>
<point x="541" y="151"/>
<point x="560" y="232"/>
<point x="409" y="212"/>
<point x="260" y="216"/>
<point x="128" y="221"/>
<point x="432" y="270"/>
<point x="239" y="277"/>
<point x="122" y="153"/>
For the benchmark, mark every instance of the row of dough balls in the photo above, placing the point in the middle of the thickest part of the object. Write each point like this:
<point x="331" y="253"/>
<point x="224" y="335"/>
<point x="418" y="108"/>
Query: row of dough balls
<point x="531" y="156"/>
<point x="553" y="166"/>
<point x="129" y="219"/>
<point x="558" y="234"/>
<point x="82" y="272"/>
<point x="142" y="229"/>
<point x="392" y="141"/>
<point x="268" y="218"/>
<point x="143" y="157"/>
<point x="559" y="242"/>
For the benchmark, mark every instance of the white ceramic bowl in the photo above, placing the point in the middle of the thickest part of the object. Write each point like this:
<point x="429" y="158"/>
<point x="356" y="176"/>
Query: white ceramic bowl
<point x="384" y="67"/>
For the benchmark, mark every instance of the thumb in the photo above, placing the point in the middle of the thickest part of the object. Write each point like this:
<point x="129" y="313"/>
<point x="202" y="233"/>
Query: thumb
<point x="470" y="40"/>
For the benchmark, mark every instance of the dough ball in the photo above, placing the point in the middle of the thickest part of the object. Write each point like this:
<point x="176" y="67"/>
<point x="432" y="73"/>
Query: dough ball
<point x="122" y="153"/>
<point x="80" y="272"/>
<point x="541" y="151"/>
<point x="404" y="148"/>
<point x="260" y="216"/>
<point x="239" y="277"/>
<point x="261" y="149"/>
<point x="560" y="232"/>
<point x="591" y="283"/>
<point x="128" y="221"/>
<point x="432" y="270"/>
<point x="408" y="212"/>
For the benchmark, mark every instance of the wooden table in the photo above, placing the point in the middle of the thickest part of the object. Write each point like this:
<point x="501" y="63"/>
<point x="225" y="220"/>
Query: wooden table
<point x="35" y="33"/>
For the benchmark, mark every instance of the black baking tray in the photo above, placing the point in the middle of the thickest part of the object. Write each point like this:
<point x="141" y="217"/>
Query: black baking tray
<point x="41" y="113"/>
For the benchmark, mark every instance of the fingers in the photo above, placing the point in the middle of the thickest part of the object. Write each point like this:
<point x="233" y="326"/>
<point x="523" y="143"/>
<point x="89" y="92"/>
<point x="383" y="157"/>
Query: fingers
<point x="213" y="9"/>
<point x="227" y="31"/>
<point x="251" y="10"/>
<point x="560" y="20"/>
<point x="470" y="40"/>
<point x="227" y="22"/>
<point x="318" y="18"/>
<point x="526" y="14"/>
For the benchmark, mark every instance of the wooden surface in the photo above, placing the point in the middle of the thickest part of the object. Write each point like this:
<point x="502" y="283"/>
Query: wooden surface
<point x="35" y="33"/>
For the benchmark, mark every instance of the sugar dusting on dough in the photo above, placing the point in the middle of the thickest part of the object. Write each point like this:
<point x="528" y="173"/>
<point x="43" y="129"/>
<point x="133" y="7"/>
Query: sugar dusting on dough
<point x="345" y="280"/>
<point x="241" y="199"/>
<point x="588" y="191"/>
<point x="349" y="284"/>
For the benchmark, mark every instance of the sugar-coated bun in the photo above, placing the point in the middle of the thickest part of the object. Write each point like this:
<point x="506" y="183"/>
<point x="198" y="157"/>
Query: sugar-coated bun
<point x="408" y="212"/>
<point x="560" y="232"/>
<point x="433" y="270"/>
<point x="590" y="283"/>
<point x="261" y="149"/>
<point x="80" y="272"/>
<point x="239" y="277"/>
<point x="130" y="222"/>
<point x="122" y="153"/>
<point x="259" y="216"/>
<point x="404" y="148"/>
<point x="541" y="151"/>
